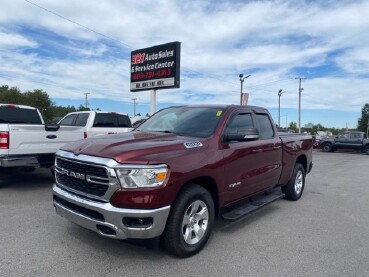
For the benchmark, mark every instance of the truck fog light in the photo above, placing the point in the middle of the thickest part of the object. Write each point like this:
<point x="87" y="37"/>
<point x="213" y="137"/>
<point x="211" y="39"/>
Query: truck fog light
<point x="140" y="222"/>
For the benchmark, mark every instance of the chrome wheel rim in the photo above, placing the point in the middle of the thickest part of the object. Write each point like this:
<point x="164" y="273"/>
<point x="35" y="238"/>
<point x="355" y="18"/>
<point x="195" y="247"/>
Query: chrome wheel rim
<point x="195" y="222"/>
<point x="299" y="181"/>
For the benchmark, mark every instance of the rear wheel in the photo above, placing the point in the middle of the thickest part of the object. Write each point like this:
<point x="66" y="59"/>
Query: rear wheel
<point x="296" y="184"/>
<point x="327" y="147"/>
<point x="190" y="222"/>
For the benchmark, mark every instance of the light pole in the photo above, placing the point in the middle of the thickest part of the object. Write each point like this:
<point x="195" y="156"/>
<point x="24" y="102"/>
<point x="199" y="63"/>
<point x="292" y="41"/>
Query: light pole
<point x="86" y="102"/>
<point x="279" y="106"/>
<point x="134" y="106"/>
<point x="242" y="79"/>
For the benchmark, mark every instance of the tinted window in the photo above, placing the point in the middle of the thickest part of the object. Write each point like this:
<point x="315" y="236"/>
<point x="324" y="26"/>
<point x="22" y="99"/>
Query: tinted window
<point x="81" y="119"/>
<point x="266" y="129"/>
<point x="68" y="120"/>
<point x="111" y="120"/>
<point x="240" y="121"/>
<point x="19" y="115"/>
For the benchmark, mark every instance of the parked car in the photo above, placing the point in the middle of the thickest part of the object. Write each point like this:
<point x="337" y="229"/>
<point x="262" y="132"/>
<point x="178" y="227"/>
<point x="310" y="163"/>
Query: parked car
<point x="26" y="142"/>
<point x="351" y="140"/>
<point x="96" y="123"/>
<point x="178" y="170"/>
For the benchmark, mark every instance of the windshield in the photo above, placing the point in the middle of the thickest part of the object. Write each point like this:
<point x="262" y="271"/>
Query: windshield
<point x="185" y="121"/>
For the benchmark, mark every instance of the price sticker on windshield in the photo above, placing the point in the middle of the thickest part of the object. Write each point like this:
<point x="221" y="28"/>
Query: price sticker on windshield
<point x="219" y="113"/>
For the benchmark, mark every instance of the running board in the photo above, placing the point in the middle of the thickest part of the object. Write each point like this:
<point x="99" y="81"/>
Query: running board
<point x="252" y="205"/>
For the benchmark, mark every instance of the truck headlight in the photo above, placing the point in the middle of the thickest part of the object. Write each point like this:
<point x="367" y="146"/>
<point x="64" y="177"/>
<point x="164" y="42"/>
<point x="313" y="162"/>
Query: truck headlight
<point x="146" y="177"/>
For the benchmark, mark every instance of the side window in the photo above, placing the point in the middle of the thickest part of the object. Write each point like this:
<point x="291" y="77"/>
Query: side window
<point x="355" y="135"/>
<point x="240" y="121"/>
<point x="68" y="120"/>
<point x="266" y="129"/>
<point x="105" y="120"/>
<point x="82" y="119"/>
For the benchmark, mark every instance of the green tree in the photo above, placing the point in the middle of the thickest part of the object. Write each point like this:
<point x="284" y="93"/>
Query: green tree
<point x="363" y="121"/>
<point x="293" y="126"/>
<point x="83" y="108"/>
<point x="10" y="95"/>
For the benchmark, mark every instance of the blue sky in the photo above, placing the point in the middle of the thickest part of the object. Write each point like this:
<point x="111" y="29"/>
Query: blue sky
<point x="69" y="48"/>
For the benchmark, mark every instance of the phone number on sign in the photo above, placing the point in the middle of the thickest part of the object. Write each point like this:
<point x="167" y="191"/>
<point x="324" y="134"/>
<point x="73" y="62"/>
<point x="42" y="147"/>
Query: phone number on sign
<point x="152" y="74"/>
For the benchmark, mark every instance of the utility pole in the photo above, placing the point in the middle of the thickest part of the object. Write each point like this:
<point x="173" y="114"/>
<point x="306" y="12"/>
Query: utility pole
<point x="279" y="107"/>
<point x="242" y="79"/>
<point x="134" y="106"/>
<point x="86" y="103"/>
<point x="300" y="90"/>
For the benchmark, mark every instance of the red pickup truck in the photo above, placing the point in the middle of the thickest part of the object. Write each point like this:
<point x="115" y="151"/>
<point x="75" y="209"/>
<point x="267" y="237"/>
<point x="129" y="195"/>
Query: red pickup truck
<point x="176" y="172"/>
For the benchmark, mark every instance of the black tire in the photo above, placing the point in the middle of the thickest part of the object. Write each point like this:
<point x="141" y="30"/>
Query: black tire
<point x="182" y="210"/>
<point x="327" y="147"/>
<point x="295" y="186"/>
<point x="367" y="149"/>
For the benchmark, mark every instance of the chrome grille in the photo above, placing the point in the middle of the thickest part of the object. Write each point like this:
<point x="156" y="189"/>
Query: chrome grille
<point x="82" y="178"/>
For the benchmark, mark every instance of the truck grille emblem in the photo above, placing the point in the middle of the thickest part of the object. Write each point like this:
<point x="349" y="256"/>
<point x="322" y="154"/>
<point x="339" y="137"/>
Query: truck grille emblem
<point x="73" y="174"/>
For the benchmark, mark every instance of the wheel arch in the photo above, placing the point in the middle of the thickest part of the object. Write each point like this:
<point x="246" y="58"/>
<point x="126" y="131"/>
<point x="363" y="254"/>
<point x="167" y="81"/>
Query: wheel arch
<point x="303" y="161"/>
<point x="207" y="183"/>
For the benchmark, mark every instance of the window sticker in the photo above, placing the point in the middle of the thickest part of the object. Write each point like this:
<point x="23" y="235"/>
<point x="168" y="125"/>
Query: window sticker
<point x="219" y="113"/>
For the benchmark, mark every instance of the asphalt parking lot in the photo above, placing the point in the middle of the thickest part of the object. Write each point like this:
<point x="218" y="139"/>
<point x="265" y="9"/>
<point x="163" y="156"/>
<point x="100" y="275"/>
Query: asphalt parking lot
<point x="323" y="234"/>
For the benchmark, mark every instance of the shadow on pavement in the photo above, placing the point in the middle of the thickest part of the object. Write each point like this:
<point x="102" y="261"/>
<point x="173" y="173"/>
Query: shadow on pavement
<point x="22" y="180"/>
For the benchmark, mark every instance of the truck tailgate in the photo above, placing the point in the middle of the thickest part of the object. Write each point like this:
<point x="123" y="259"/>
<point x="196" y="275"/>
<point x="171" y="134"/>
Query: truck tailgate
<point x="32" y="139"/>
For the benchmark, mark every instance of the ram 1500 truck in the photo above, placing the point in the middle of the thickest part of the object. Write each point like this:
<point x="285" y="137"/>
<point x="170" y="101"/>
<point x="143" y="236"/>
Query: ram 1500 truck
<point x="179" y="170"/>
<point x="26" y="142"/>
<point x="97" y="123"/>
<point x="351" y="140"/>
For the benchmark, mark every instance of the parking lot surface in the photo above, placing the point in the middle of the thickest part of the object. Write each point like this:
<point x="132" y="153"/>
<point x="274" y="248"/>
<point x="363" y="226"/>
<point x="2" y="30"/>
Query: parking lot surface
<point x="325" y="233"/>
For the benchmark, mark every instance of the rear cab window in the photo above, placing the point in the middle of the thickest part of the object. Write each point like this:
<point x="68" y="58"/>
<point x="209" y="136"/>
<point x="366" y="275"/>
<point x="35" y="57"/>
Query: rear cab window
<point x="104" y="120"/>
<point x="17" y="115"/>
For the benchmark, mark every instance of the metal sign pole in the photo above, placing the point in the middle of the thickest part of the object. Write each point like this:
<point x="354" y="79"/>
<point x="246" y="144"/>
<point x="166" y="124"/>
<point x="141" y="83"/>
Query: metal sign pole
<point x="152" y="101"/>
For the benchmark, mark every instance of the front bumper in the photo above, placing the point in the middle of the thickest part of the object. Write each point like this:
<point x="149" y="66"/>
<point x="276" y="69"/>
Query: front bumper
<point x="106" y="219"/>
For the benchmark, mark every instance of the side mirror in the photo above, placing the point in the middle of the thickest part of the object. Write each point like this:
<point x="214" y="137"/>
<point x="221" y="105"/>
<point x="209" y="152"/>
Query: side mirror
<point x="242" y="135"/>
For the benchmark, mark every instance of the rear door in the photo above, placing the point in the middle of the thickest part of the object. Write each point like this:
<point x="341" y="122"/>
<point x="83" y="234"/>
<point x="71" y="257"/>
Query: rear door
<point x="251" y="166"/>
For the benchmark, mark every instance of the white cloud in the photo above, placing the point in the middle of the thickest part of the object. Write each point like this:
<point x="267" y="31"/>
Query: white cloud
<point x="220" y="39"/>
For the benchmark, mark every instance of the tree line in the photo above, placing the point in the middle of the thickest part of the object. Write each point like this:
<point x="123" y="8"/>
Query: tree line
<point x="38" y="99"/>
<point x="51" y="112"/>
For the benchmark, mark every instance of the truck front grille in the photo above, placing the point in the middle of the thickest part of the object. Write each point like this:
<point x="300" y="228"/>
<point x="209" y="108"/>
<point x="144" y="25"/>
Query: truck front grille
<point x="83" y="178"/>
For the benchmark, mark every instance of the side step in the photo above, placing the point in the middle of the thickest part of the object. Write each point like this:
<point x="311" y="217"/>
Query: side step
<point x="252" y="205"/>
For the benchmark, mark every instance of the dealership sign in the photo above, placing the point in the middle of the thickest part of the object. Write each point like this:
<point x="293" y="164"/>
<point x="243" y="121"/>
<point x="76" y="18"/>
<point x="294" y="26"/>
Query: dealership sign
<point x="156" y="67"/>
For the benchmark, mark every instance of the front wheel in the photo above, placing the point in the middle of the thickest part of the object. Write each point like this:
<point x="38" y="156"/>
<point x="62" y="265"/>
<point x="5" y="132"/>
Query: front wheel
<point x="190" y="222"/>
<point x="296" y="184"/>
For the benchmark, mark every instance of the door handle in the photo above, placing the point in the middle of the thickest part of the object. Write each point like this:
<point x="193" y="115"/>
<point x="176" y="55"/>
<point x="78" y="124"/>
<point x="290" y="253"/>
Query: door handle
<point x="51" y="137"/>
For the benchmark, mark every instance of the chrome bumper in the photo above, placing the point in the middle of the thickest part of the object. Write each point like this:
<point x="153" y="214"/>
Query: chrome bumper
<point x="113" y="217"/>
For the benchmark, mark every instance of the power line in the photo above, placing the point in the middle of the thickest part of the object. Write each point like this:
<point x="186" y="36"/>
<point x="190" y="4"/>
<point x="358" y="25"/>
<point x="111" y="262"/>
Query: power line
<point x="79" y="24"/>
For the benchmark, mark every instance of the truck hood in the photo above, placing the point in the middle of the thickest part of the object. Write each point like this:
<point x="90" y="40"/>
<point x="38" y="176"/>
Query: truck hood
<point x="137" y="147"/>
